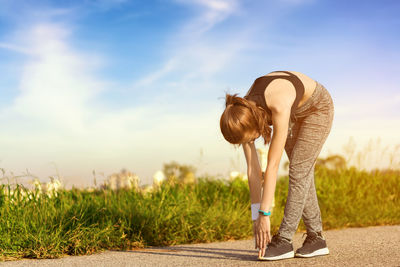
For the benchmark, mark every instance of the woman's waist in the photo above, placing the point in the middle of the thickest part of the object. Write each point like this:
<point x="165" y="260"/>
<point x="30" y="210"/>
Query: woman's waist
<point x="319" y="100"/>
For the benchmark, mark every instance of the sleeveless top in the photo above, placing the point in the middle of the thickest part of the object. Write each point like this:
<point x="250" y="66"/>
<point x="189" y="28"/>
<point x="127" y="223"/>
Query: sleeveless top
<point x="256" y="92"/>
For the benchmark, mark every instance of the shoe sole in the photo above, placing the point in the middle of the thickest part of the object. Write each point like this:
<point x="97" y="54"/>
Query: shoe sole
<point x="287" y="255"/>
<point x="319" y="252"/>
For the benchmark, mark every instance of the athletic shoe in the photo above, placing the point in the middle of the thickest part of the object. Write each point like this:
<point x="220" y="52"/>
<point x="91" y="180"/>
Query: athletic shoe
<point x="279" y="248"/>
<point x="313" y="245"/>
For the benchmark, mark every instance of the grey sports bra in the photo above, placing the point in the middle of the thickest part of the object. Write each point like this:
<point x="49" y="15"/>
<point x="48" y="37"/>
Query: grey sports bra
<point x="260" y="84"/>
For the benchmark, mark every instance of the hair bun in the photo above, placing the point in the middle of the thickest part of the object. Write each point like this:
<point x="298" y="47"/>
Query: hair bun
<point x="231" y="100"/>
<point x="252" y="117"/>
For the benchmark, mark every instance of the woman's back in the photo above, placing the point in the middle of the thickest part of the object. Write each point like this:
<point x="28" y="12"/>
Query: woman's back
<point x="308" y="83"/>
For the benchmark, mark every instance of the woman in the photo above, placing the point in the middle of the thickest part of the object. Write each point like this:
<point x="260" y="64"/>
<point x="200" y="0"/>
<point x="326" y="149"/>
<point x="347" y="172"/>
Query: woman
<point x="300" y="110"/>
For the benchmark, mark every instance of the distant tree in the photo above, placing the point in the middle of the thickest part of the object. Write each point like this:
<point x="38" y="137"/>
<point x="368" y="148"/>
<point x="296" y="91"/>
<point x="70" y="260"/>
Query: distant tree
<point x="286" y="165"/>
<point x="330" y="162"/>
<point x="179" y="172"/>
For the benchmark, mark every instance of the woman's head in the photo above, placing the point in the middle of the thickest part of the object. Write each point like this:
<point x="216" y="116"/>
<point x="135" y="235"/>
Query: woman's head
<point x="243" y="121"/>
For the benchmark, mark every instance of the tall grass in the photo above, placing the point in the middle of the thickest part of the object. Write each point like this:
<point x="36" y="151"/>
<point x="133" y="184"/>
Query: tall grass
<point x="77" y="222"/>
<point x="34" y="224"/>
<point x="350" y="197"/>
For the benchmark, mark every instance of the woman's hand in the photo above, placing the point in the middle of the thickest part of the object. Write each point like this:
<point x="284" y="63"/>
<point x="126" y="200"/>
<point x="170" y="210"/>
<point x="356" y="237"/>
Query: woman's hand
<point x="262" y="229"/>
<point x="255" y="233"/>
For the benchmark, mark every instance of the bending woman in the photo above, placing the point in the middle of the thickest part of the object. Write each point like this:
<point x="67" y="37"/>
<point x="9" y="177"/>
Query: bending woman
<point x="300" y="110"/>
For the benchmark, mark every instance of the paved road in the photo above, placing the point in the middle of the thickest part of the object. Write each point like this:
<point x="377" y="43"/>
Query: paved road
<point x="368" y="246"/>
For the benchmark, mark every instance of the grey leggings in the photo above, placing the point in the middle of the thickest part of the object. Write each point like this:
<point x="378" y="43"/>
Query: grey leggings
<point x="303" y="145"/>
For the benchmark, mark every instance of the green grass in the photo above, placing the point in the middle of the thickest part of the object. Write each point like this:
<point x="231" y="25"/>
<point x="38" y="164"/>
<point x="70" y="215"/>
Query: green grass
<point x="78" y="222"/>
<point x="351" y="198"/>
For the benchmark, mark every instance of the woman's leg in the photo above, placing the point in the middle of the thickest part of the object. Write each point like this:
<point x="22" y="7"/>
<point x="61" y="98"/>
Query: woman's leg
<point x="309" y="134"/>
<point x="311" y="212"/>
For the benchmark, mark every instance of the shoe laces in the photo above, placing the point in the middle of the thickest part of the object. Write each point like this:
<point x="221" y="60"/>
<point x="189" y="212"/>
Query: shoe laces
<point x="310" y="238"/>
<point x="276" y="240"/>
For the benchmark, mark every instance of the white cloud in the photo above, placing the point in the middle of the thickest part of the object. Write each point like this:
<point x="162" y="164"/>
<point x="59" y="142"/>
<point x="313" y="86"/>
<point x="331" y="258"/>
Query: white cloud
<point x="55" y="85"/>
<point x="105" y="4"/>
<point x="214" y="12"/>
<point x="56" y="117"/>
<point x="15" y="48"/>
<point x="55" y="109"/>
<point x="168" y="66"/>
<point x="195" y="55"/>
<point x="55" y="120"/>
<point x="218" y="5"/>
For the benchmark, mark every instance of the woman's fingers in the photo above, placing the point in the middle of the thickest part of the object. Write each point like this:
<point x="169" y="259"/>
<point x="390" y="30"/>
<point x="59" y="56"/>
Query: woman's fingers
<point x="255" y="236"/>
<point x="262" y="243"/>
<point x="258" y="240"/>
<point x="265" y="239"/>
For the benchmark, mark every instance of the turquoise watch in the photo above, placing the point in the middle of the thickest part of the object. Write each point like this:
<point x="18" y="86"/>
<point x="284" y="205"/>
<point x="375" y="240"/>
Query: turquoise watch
<point x="264" y="213"/>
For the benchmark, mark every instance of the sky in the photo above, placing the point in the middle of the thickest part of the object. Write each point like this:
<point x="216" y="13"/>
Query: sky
<point x="105" y="85"/>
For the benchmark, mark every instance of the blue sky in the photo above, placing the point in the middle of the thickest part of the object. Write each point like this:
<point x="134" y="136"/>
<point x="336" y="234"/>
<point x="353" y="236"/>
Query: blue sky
<point x="111" y="84"/>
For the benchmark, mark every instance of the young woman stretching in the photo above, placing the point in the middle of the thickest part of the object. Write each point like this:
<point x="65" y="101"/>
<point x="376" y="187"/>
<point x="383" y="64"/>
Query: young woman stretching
<point x="301" y="112"/>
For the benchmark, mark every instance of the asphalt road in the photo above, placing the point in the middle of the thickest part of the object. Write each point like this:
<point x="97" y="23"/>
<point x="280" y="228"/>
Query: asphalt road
<point x="368" y="246"/>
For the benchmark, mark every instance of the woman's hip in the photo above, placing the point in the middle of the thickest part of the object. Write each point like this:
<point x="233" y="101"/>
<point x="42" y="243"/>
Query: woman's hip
<point x="320" y="102"/>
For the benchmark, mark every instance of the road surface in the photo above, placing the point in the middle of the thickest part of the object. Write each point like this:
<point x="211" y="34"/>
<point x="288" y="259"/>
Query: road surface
<point x="367" y="246"/>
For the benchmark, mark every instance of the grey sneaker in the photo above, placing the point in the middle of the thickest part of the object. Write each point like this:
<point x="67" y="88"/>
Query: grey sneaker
<point x="313" y="245"/>
<point x="278" y="249"/>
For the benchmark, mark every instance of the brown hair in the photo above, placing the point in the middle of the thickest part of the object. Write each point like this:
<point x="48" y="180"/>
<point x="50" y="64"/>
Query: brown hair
<point x="243" y="120"/>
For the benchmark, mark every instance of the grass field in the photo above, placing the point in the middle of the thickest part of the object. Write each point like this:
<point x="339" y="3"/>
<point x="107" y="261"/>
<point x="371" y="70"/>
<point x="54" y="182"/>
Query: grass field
<point x="77" y="222"/>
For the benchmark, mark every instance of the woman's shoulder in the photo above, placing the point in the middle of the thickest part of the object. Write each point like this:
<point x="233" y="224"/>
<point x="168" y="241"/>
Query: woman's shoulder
<point x="303" y="77"/>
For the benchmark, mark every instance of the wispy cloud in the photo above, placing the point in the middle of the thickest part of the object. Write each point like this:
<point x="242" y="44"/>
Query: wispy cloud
<point x="195" y="54"/>
<point x="151" y="78"/>
<point x="60" y="113"/>
<point x="214" y="12"/>
<point x="26" y="12"/>
<point x="104" y="4"/>
<point x="296" y="2"/>
<point x="15" y="48"/>
<point x="55" y="84"/>
<point x="56" y="118"/>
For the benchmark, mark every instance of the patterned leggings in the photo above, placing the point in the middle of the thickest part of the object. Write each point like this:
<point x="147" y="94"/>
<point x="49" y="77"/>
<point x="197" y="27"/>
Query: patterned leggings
<point x="303" y="145"/>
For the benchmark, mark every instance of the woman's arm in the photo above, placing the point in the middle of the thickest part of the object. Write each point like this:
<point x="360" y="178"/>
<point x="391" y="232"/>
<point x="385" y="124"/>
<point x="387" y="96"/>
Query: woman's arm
<point x="253" y="172"/>
<point x="279" y="97"/>
<point x="254" y="180"/>
<point x="280" y="120"/>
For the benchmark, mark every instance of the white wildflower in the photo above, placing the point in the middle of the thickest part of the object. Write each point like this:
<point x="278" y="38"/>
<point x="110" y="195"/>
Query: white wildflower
<point x="90" y="189"/>
<point x="52" y="187"/>
<point x="234" y="174"/>
<point x="158" y="178"/>
<point x="133" y="181"/>
<point x="37" y="184"/>
<point x="123" y="179"/>
<point x="37" y="189"/>
<point x="23" y="192"/>
<point x="147" y="189"/>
